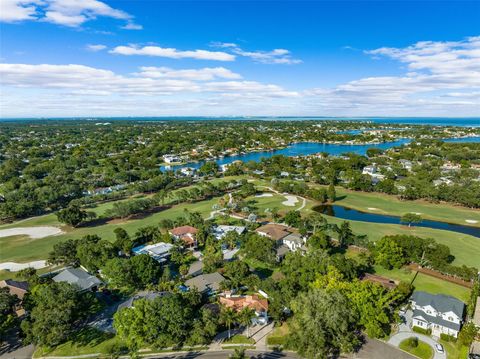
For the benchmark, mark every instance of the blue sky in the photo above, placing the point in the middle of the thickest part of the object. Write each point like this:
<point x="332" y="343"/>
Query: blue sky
<point x="158" y="58"/>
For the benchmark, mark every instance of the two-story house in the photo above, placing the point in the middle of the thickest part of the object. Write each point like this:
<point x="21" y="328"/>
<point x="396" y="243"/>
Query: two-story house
<point x="441" y="313"/>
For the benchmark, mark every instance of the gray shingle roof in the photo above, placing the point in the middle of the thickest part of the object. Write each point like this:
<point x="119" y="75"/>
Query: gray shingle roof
<point x="436" y="320"/>
<point x="78" y="277"/>
<point x="206" y="282"/>
<point x="440" y="302"/>
<point x="142" y="295"/>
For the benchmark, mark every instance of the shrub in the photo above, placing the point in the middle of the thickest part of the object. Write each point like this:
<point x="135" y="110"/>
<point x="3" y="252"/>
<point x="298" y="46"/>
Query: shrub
<point x="412" y="342"/>
<point x="448" y="338"/>
<point x="422" y="330"/>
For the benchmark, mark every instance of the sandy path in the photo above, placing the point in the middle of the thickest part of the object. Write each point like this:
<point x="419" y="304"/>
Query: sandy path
<point x="15" y="267"/>
<point x="32" y="232"/>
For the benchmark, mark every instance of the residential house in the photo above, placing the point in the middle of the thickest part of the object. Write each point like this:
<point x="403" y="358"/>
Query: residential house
<point x="369" y="170"/>
<point x="274" y="231"/>
<point x="294" y="242"/>
<point x="158" y="251"/>
<point x="187" y="234"/>
<point x="406" y="164"/>
<point x="221" y="231"/>
<point x="208" y="284"/>
<point x="15" y="287"/>
<point x="196" y="268"/>
<point x="188" y="171"/>
<point x="441" y="313"/>
<point x="254" y="302"/>
<point x="129" y="303"/>
<point x="171" y="158"/>
<point x="80" y="278"/>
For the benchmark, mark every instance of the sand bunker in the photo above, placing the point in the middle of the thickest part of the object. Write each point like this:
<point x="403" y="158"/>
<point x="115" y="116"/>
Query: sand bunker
<point x="471" y="221"/>
<point x="372" y="209"/>
<point x="290" y="201"/>
<point x="32" y="232"/>
<point x="264" y="195"/>
<point x="15" y="267"/>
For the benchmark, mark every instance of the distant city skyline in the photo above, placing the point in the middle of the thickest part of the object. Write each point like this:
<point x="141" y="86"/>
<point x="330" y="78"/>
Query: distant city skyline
<point x="68" y="58"/>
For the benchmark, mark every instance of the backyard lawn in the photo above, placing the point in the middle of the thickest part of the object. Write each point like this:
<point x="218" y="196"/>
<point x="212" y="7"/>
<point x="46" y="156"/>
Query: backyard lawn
<point x="425" y="282"/>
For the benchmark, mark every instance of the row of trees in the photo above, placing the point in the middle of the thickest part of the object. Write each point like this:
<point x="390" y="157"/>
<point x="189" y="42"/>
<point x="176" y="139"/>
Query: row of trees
<point x="396" y="251"/>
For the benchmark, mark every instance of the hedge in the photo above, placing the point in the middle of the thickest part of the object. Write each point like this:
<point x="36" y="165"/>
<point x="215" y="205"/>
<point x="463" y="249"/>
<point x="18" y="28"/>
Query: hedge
<point x="448" y="338"/>
<point x="422" y="330"/>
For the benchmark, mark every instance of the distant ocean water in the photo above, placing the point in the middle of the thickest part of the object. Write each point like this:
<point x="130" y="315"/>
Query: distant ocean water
<point x="433" y="121"/>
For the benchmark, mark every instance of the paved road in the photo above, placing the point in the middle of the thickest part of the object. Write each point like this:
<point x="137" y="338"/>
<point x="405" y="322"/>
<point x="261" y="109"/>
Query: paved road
<point x="401" y="336"/>
<point x="376" y="349"/>
<point x="224" y="354"/>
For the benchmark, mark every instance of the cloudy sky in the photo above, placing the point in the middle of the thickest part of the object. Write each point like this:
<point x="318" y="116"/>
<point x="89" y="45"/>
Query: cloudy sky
<point x="66" y="58"/>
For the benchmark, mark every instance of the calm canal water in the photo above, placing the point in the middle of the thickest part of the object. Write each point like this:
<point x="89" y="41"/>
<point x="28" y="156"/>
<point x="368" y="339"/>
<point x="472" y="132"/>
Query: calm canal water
<point x="354" y="215"/>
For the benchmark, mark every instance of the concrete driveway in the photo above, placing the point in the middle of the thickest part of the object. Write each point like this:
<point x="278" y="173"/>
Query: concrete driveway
<point x="401" y="336"/>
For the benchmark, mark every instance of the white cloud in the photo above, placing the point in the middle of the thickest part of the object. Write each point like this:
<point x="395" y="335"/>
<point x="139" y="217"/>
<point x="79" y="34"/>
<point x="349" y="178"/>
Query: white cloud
<point x="132" y="26"/>
<point x="95" y="48"/>
<point x="71" y="13"/>
<point x="172" y="53"/>
<point x="276" y="56"/>
<point x="440" y="79"/>
<point x="205" y="74"/>
<point x="18" y="10"/>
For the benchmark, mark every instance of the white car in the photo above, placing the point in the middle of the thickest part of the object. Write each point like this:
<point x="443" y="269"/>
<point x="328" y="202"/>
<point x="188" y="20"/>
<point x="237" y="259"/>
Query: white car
<point x="439" y="348"/>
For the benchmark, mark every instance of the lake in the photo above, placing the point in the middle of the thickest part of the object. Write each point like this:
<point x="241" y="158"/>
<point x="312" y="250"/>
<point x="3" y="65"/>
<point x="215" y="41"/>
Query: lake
<point x="354" y="215"/>
<point x="296" y="149"/>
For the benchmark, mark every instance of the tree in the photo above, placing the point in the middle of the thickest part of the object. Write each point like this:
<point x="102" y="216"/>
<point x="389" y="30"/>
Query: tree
<point x="205" y="327"/>
<point x="345" y="235"/>
<point x="293" y="218"/>
<point x="161" y="322"/>
<point x="468" y="334"/>
<point x="236" y="272"/>
<point x="260" y="248"/>
<point x="64" y="253"/>
<point x="389" y="254"/>
<point x="119" y="274"/>
<point x="245" y="318"/>
<point x="319" y="240"/>
<point x="228" y="316"/>
<point x="56" y="307"/>
<point x="324" y="324"/>
<point x="331" y="193"/>
<point x="123" y="241"/>
<point x="238" y="353"/>
<point x="72" y="215"/>
<point x="146" y="270"/>
<point x="93" y="252"/>
<point x="411" y="218"/>
<point x="7" y="310"/>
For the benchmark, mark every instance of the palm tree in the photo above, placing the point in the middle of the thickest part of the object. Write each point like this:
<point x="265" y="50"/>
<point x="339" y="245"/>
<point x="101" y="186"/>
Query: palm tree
<point x="228" y="316"/>
<point x="245" y="318"/>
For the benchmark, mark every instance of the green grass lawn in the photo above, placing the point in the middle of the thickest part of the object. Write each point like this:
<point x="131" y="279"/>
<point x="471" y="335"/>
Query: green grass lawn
<point x="462" y="246"/>
<point x="86" y="341"/>
<point x="387" y="204"/>
<point x="454" y="350"/>
<point x="425" y="282"/>
<point x="423" y="350"/>
<point x="23" y="249"/>
<point x="239" y="339"/>
<point x="437" y="286"/>
<point x="279" y="335"/>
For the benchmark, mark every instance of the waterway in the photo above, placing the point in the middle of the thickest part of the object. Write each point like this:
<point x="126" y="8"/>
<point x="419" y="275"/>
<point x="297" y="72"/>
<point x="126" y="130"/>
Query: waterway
<point x="354" y="215"/>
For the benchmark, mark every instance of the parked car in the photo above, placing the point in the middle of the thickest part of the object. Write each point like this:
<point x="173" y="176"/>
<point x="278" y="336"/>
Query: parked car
<point x="439" y="348"/>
